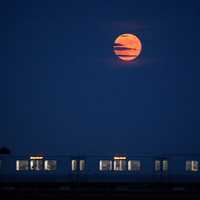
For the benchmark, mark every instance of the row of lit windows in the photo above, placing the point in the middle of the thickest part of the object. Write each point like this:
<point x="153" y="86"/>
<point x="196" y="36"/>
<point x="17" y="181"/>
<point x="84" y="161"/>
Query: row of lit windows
<point x="104" y="165"/>
<point x="133" y="165"/>
<point x="36" y="165"/>
<point x="119" y="165"/>
<point x="48" y="165"/>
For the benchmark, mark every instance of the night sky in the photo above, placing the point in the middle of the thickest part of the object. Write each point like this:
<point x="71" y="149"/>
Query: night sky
<point x="63" y="91"/>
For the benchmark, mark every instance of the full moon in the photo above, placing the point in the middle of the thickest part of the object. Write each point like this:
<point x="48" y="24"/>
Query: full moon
<point x="127" y="47"/>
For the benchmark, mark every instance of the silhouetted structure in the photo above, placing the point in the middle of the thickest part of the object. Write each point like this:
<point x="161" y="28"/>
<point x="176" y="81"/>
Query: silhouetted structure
<point x="4" y="150"/>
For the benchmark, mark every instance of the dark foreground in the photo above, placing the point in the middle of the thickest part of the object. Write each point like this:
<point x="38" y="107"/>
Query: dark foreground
<point x="94" y="193"/>
<point x="59" y="195"/>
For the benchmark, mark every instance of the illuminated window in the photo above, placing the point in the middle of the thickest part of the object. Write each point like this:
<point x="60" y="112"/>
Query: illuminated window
<point x="165" y="165"/>
<point x="36" y="165"/>
<point x="78" y="165"/>
<point x="161" y="165"/>
<point x="82" y="165"/>
<point x="188" y="165"/>
<point x="105" y="165"/>
<point x="134" y="165"/>
<point x="22" y="165"/>
<point x="119" y="165"/>
<point x="50" y="165"/>
<point x="192" y="165"/>
<point x="157" y="165"/>
<point x="74" y="164"/>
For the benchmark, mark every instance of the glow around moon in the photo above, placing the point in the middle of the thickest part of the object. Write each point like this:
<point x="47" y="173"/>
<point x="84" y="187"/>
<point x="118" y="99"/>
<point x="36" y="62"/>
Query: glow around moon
<point x="127" y="47"/>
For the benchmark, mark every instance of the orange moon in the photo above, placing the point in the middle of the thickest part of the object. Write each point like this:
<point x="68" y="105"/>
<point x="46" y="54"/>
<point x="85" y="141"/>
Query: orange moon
<point x="127" y="47"/>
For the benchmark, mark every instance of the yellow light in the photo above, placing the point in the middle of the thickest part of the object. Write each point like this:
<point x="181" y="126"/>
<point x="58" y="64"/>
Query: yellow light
<point x="36" y="157"/>
<point x="120" y="158"/>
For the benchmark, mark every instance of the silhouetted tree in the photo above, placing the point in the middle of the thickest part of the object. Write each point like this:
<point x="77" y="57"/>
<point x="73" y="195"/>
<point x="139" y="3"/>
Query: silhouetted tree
<point x="4" y="150"/>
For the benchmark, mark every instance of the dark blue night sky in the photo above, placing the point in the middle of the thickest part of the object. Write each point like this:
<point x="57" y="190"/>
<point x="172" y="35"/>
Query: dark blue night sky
<point x="63" y="91"/>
